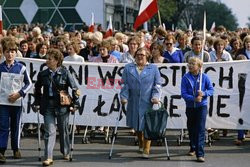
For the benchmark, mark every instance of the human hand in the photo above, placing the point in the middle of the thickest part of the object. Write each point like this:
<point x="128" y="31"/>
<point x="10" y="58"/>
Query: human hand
<point x="198" y="99"/>
<point x="200" y="93"/>
<point x="13" y="97"/>
<point x="35" y="108"/>
<point x="124" y="101"/>
<point x="155" y="100"/>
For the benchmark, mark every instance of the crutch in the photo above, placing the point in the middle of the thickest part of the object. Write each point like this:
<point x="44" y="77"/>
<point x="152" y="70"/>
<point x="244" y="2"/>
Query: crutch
<point x="166" y="147"/>
<point x="115" y="132"/>
<point x="73" y="138"/>
<point x="39" y="134"/>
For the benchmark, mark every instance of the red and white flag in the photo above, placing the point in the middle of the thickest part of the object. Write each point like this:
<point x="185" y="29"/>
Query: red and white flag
<point x="92" y="24"/>
<point x="109" y="31"/>
<point x="1" y="20"/>
<point x="147" y="10"/>
<point x="212" y="29"/>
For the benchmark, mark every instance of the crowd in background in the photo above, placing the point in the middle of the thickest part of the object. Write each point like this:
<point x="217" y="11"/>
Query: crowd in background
<point x="164" y="46"/>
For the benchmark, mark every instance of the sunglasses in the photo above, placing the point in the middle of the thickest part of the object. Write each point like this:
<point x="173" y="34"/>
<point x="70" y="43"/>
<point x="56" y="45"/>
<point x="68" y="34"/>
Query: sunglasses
<point x="169" y="44"/>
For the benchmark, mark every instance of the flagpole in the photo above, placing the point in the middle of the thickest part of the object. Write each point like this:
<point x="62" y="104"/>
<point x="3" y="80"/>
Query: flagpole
<point x="203" y="46"/>
<point x="159" y="16"/>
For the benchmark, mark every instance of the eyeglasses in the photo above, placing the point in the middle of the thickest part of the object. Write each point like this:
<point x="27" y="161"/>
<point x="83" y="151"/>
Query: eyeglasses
<point x="169" y="44"/>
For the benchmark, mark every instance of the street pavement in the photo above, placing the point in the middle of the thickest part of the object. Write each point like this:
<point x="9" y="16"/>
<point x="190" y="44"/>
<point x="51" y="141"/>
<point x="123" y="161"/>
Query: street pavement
<point x="222" y="153"/>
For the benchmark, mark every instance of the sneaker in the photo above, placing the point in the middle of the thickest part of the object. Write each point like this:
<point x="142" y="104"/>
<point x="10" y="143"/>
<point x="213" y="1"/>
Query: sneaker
<point x="191" y="153"/>
<point x="48" y="162"/>
<point x="66" y="157"/>
<point x="17" y="154"/>
<point x="140" y="150"/>
<point x="2" y="158"/>
<point x="200" y="159"/>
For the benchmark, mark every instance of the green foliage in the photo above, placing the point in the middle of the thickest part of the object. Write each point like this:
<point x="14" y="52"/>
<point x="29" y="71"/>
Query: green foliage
<point x="181" y="13"/>
<point x="167" y="9"/>
<point x="217" y="12"/>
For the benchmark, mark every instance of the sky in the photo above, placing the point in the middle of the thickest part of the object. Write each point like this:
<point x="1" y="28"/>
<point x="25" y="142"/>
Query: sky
<point x="240" y="8"/>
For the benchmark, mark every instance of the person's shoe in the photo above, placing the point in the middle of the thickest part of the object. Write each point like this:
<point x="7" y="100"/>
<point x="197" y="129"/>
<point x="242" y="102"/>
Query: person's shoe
<point x="145" y="155"/>
<point x="238" y="142"/>
<point x="2" y="158"/>
<point x="200" y="159"/>
<point x="140" y="150"/>
<point x="48" y="162"/>
<point x="66" y="157"/>
<point x="17" y="154"/>
<point x="191" y="153"/>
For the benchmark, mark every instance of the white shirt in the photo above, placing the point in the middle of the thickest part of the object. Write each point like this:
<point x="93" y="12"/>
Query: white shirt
<point x="75" y="58"/>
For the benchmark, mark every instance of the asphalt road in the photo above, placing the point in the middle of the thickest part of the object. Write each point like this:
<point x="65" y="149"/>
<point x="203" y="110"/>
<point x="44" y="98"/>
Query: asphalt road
<point x="222" y="153"/>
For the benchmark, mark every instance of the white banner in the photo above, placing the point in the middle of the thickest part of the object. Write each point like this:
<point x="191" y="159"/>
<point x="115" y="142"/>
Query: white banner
<point x="227" y="109"/>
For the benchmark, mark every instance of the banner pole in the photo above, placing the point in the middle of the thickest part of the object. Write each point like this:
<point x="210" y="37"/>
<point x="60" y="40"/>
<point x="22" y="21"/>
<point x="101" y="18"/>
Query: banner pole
<point x="203" y="46"/>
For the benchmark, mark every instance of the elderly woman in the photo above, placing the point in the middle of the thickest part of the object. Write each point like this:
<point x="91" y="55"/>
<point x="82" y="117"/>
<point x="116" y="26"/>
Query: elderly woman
<point x="219" y="53"/>
<point x="196" y="105"/>
<point x="157" y="51"/>
<point x="141" y="88"/>
<point x="52" y="80"/>
<point x="172" y="54"/>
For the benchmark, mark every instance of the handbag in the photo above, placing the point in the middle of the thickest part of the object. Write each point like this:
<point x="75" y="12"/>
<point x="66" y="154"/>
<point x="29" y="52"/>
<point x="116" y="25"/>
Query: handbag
<point x="155" y="123"/>
<point x="65" y="98"/>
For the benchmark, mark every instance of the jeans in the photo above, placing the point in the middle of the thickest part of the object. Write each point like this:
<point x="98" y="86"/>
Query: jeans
<point x="50" y="119"/>
<point x="196" y="121"/>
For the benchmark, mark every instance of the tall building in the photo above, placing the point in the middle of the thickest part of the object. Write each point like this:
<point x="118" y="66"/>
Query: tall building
<point x="70" y="12"/>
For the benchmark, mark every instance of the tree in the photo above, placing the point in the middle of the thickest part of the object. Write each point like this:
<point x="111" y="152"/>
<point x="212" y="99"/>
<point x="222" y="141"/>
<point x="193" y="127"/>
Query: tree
<point x="181" y="13"/>
<point x="216" y="12"/>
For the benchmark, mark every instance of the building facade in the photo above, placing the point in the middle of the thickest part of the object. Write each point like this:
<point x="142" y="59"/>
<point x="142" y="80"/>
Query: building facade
<point x="70" y="12"/>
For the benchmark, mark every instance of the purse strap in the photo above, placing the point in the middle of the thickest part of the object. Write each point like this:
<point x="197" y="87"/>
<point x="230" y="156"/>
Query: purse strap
<point x="51" y="79"/>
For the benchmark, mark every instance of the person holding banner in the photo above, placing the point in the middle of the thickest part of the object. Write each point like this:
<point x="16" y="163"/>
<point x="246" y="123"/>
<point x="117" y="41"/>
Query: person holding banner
<point x="53" y="80"/>
<point x="196" y="105"/>
<point x="14" y="85"/>
<point x="141" y="86"/>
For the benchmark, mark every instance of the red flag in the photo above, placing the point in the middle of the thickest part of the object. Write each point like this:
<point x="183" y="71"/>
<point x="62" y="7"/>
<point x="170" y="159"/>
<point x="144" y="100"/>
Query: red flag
<point x="92" y="24"/>
<point x="109" y="31"/>
<point x="1" y="20"/>
<point x="212" y="29"/>
<point x="148" y="9"/>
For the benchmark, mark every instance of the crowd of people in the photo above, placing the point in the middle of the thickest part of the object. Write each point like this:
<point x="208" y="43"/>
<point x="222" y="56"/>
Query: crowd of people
<point x="139" y="50"/>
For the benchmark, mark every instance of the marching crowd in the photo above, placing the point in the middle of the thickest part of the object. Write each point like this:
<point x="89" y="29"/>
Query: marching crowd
<point x="141" y="87"/>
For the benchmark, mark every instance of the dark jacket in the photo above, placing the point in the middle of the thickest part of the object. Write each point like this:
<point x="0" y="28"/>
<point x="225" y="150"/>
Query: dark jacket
<point x="62" y="81"/>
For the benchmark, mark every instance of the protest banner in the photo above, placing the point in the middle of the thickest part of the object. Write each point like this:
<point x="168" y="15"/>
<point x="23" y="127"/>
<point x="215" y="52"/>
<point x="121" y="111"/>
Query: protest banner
<point x="100" y="102"/>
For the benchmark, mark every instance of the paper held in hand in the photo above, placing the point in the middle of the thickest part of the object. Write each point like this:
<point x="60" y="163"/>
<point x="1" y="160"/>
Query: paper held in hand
<point x="10" y="83"/>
